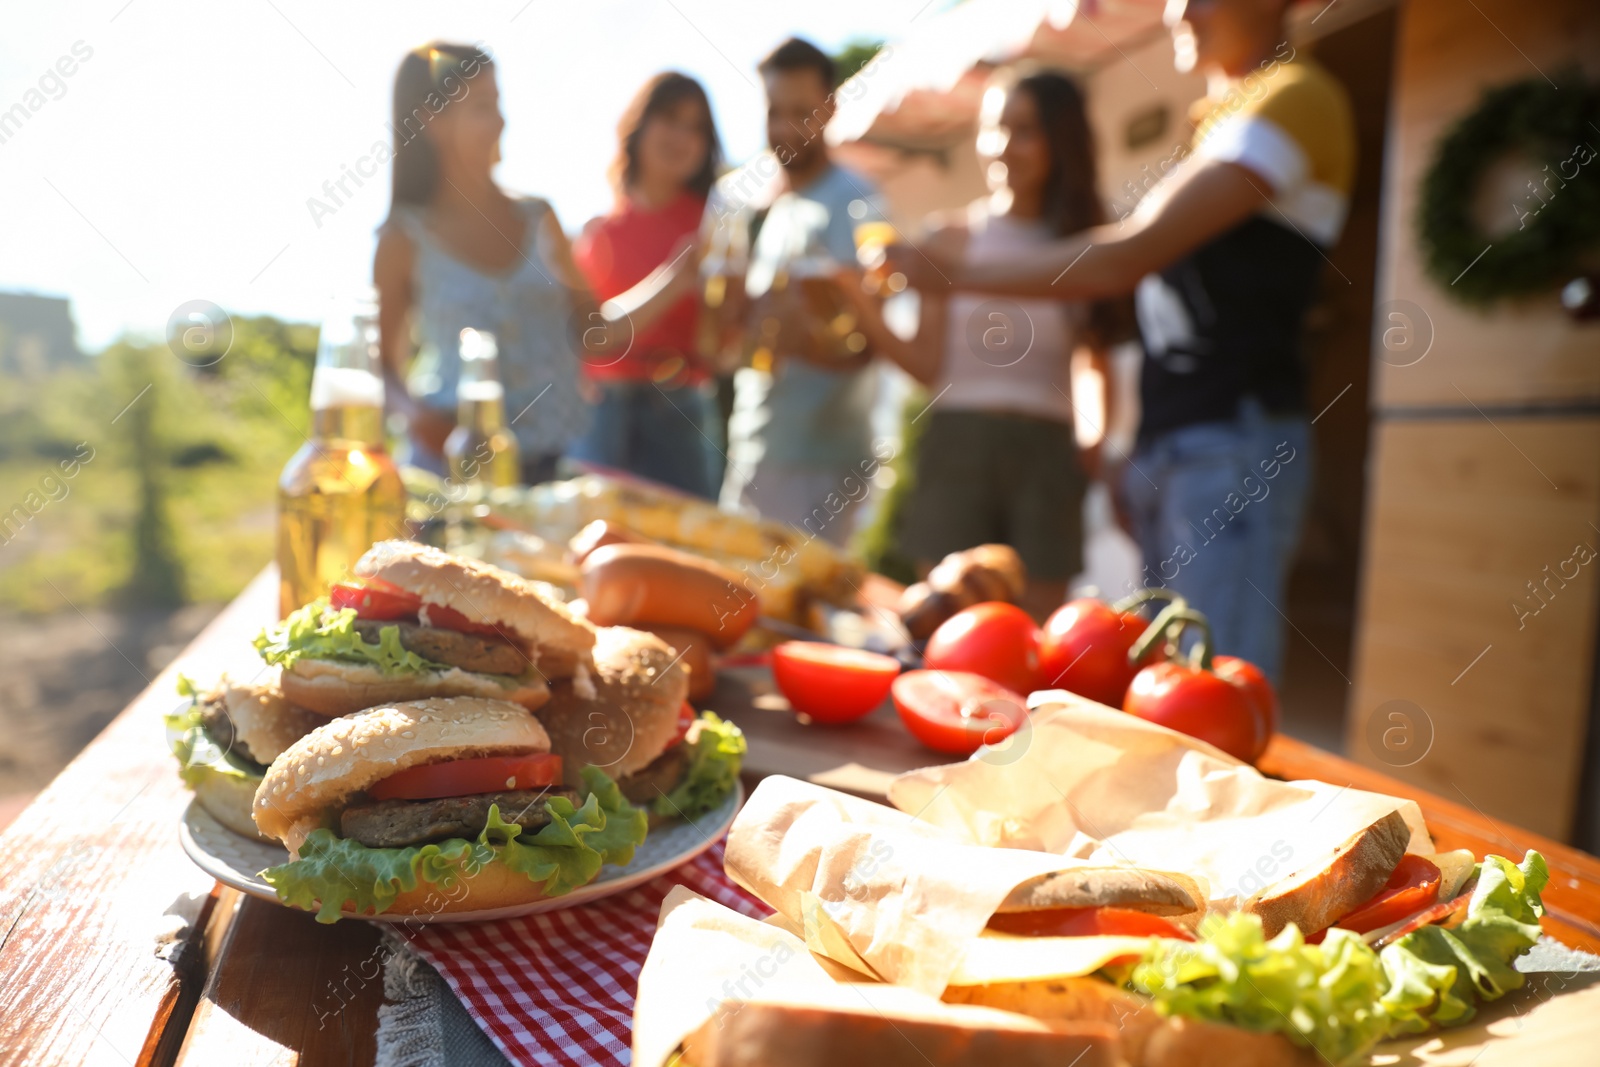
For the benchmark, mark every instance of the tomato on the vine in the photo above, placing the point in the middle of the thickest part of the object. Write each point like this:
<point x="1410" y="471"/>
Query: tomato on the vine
<point x="997" y="640"/>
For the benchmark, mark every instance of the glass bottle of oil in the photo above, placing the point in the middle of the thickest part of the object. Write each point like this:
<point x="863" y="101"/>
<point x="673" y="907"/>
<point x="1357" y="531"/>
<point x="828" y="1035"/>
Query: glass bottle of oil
<point x="481" y="450"/>
<point x="341" y="491"/>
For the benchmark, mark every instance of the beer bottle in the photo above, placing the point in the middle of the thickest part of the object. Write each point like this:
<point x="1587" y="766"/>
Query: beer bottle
<point x="481" y="450"/>
<point x="341" y="491"/>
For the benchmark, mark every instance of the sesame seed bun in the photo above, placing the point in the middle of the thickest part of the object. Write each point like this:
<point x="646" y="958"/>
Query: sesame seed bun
<point x="622" y="716"/>
<point x="349" y="754"/>
<point x="556" y="638"/>
<point x="263" y="718"/>
<point x="330" y="687"/>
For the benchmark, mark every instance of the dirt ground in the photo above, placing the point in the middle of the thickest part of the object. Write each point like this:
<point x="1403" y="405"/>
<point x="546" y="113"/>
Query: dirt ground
<point x="64" y="676"/>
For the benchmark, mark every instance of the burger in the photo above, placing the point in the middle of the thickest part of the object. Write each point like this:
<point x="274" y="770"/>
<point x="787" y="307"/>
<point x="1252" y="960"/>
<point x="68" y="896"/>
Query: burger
<point x="417" y="622"/>
<point x="224" y="739"/>
<point x="629" y="716"/>
<point x="448" y="804"/>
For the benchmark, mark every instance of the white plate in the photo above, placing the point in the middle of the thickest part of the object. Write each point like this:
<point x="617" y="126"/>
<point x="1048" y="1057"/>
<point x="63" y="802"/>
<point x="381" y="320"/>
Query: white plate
<point x="238" y="861"/>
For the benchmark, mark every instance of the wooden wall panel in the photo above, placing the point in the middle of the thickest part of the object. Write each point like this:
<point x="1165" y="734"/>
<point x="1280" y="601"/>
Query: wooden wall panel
<point x="1449" y="51"/>
<point x="1462" y="514"/>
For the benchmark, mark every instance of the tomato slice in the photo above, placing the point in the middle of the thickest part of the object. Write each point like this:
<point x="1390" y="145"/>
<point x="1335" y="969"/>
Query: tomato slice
<point x="383" y="601"/>
<point x="686" y="717"/>
<point x="375" y="601"/>
<point x="469" y="777"/>
<point x="957" y="711"/>
<point x="831" y="683"/>
<point x="1413" y="886"/>
<point x="443" y="618"/>
<point x="1087" y="922"/>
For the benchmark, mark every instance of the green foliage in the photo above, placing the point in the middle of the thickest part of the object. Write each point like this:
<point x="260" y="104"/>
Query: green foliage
<point x="1558" y="222"/>
<point x="880" y="541"/>
<point x="853" y="56"/>
<point x="177" y="501"/>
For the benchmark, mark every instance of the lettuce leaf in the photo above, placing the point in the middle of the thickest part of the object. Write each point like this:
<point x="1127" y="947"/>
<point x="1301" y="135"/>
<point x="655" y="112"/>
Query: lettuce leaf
<point x="1325" y="996"/>
<point x="199" y="755"/>
<point x="1434" y="972"/>
<point x="320" y="632"/>
<point x="714" y="764"/>
<point x="1341" y="997"/>
<point x="333" y="872"/>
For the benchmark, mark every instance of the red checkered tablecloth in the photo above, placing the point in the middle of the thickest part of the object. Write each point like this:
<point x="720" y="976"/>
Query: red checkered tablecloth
<point x="556" y="989"/>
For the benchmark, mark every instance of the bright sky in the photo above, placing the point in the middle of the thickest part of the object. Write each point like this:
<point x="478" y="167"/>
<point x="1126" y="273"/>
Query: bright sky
<point x="176" y="161"/>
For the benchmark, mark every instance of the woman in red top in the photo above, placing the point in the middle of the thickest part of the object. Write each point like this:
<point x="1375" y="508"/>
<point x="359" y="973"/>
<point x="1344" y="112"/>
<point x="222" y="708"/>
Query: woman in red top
<point x="655" y="407"/>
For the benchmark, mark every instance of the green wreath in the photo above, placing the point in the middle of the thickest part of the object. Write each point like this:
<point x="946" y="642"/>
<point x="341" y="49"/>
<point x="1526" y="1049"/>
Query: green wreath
<point x="1549" y="123"/>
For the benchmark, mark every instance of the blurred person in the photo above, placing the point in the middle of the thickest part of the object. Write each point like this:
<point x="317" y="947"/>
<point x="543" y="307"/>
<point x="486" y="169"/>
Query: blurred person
<point x="1224" y="256"/>
<point x="999" y="460"/>
<point x="654" y="417"/>
<point x="800" y="431"/>
<point x="458" y="251"/>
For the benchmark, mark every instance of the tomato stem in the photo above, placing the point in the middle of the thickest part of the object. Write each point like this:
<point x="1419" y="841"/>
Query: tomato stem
<point x="1169" y="625"/>
<point x="1148" y="595"/>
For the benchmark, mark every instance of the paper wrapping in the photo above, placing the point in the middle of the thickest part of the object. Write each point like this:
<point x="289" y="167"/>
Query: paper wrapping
<point x="707" y="962"/>
<point x="1095" y="784"/>
<point x="871" y="887"/>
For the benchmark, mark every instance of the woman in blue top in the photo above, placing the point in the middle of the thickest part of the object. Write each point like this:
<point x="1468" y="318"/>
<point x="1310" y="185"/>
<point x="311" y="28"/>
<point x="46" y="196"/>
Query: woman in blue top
<point x="458" y="252"/>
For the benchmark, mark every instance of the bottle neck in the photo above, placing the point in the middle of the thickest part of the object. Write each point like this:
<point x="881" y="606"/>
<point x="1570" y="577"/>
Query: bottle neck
<point x="349" y="424"/>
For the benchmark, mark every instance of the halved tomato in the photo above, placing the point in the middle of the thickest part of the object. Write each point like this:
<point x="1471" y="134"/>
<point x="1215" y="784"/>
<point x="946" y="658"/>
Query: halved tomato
<point x="469" y="777"/>
<point x="1087" y="922"/>
<point x="830" y="683"/>
<point x="957" y="711"/>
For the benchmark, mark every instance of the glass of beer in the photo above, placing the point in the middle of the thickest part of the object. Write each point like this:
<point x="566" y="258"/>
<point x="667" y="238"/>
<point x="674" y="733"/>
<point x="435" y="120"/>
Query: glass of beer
<point x="873" y="238"/>
<point x="341" y="491"/>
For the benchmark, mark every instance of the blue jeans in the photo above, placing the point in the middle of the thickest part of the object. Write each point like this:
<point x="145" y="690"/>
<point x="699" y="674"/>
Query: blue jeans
<point x="1217" y="510"/>
<point x="655" y="432"/>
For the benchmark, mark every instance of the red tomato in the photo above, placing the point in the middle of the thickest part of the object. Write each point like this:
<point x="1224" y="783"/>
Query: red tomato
<point x="957" y="711"/>
<point x="1085" y="649"/>
<point x="830" y="683"/>
<point x="444" y="618"/>
<point x="686" y="717"/>
<point x="468" y="777"/>
<point x="1196" y="702"/>
<point x="1414" y="885"/>
<point x="1087" y="922"/>
<point x="375" y="601"/>
<point x="1263" y="698"/>
<point x="996" y="640"/>
<point x="381" y="601"/>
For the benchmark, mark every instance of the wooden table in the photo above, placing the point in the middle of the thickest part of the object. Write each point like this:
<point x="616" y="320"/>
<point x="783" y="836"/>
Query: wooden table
<point x="115" y="949"/>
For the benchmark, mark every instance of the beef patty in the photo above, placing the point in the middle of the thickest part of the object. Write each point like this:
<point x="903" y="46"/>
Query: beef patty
<point x="399" y="823"/>
<point x="487" y="655"/>
<point x="660" y="776"/>
<point x="214" y="717"/>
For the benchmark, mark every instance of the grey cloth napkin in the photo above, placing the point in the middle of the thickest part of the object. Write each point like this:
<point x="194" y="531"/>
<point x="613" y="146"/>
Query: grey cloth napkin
<point x="422" y="1018"/>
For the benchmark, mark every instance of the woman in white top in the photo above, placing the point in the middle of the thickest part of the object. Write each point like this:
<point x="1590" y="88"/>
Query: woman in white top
<point x="998" y="461"/>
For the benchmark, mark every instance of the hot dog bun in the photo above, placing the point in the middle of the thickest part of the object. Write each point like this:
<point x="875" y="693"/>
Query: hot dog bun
<point x="651" y="585"/>
<point x="599" y="534"/>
